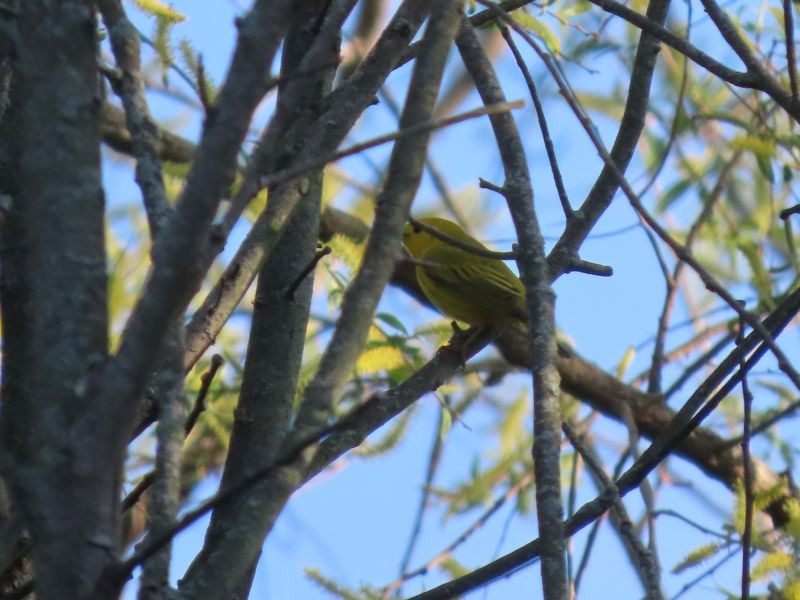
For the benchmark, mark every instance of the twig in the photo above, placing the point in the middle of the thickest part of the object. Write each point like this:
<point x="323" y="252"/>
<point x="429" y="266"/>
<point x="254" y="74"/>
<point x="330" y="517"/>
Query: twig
<point x="749" y="496"/>
<point x="680" y="251"/>
<point x="144" y="133"/>
<point x="199" y="406"/>
<point x="320" y="254"/>
<point x="413" y="130"/>
<point x="742" y="47"/>
<point x="654" y="383"/>
<point x="629" y="133"/>
<point x="433" y="170"/>
<point x="701" y="528"/>
<point x="788" y="212"/>
<point x="673" y="131"/>
<point x="710" y="571"/>
<point x="646" y="561"/>
<point x="434" y="459"/>
<point x="578" y="265"/>
<point x="744" y="79"/>
<point x="702" y="361"/>
<point x="202" y="86"/>
<point x="765" y="424"/>
<point x="460" y="244"/>
<point x="205" y="384"/>
<point x="465" y="535"/>
<point x="548" y="143"/>
<point x="583" y="564"/>
<point x="540" y="300"/>
<point x="477" y="20"/>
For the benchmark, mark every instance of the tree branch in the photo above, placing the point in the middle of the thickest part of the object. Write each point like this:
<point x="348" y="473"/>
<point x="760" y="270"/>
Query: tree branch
<point x="144" y="133"/>
<point x="541" y="322"/>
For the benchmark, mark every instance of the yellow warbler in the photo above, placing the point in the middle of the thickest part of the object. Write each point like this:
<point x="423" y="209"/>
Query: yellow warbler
<point x="470" y="288"/>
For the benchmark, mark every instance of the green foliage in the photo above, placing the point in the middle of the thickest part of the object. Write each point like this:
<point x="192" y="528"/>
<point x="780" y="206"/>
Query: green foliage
<point x="192" y="62"/>
<point x="387" y="443"/>
<point x="340" y="591"/>
<point x="160" y="10"/>
<point x="771" y="564"/>
<point x="697" y="557"/>
<point x="540" y="29"/>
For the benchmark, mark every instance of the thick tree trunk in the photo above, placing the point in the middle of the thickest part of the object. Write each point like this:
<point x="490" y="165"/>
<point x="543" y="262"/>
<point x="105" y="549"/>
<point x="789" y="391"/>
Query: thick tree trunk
<point x="63" y="479"/>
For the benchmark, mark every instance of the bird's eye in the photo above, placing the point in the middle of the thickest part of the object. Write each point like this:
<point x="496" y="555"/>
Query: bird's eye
<point x="416" y="229"/>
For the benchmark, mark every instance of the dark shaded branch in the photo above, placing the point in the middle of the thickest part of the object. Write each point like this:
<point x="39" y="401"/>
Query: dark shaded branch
<point x="225" y="565"/>
<point x="179" y="256"/>
<point x="170" y="147"/>
<point x="749" y="494"/>
<point x="319" y="134"/>
<point x="53" y="285"/>
<point x="791" y="50"/>
<point x="431" y="376"/>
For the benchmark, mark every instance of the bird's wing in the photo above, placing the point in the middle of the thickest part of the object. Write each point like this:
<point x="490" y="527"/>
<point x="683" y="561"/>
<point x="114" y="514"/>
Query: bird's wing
<point x="485" y="279"/>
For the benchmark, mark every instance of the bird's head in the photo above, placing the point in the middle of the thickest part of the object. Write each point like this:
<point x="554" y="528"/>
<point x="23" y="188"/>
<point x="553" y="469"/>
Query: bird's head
<point x="417" y="241"/>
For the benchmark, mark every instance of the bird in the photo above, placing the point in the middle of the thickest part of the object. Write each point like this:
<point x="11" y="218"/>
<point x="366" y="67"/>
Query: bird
<point x="474" y="289"/>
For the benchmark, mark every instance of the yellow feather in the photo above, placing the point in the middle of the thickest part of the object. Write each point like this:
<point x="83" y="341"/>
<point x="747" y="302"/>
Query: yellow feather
<point x="470" y="288"/>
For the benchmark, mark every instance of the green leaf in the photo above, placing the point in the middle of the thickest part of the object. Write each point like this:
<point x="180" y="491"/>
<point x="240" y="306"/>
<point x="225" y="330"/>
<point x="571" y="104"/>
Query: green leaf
<point x="625" y="362"/>
<point x="757" y="144"/>
<point x="161" y="44"/>
<point x="453" y="568"/>
<point x="762" y="280"/>
<point x="765" y="166"/>
<point x="791" y="590"/>
<point x="338" y="590"/>
<point x="392" y="321"/>
<point x="540" y="28"/>
<point x="445" y="423"/>
<point x="381" y="358"/>
<point x="581" y="6"/>
<point x="191" y="60"/>
<point x="390" y="440"/>
<point x="347" y="250"/>
<point x="696" y="557"/>
<point x="772" y="562"/>
<point x="160" y="10"/>
<point x="675" y="191"/>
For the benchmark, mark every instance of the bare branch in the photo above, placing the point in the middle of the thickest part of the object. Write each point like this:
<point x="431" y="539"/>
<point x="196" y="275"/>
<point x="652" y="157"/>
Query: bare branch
<point x="541" y="322"/>
<point x="179" y="261"/>
<point x="140" y="124"/>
